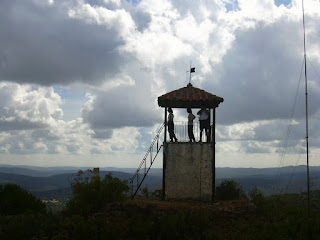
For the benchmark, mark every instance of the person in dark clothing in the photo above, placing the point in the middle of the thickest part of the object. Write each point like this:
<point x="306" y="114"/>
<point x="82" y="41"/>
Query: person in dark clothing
<point x="204" y="122"/>
<point x="171" y="126"/>
<point x="191" y="117"/>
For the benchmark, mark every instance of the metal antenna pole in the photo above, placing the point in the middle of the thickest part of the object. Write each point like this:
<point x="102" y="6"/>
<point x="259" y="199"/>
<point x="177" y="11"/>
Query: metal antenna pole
<point x="306" y="93"/>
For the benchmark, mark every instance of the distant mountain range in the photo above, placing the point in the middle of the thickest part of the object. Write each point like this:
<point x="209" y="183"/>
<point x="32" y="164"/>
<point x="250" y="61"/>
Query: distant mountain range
<point x="55" y="182"/>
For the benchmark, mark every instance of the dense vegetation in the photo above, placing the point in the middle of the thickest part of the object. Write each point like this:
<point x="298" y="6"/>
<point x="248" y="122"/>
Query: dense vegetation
<point x="91" y="193"/>
<point x="99" y="209"/>
<point x="229" y="190"/>
<point x="15" y="200"/>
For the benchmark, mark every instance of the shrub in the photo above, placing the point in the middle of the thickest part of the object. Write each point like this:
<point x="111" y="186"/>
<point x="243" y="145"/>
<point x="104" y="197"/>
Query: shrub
<point x="16" y="200"/>
<point x="229" y="190"/>
<point x="157" y="194"/>
<point x="145" y="192"/>
<point x="91" y="193"/>
<point x="257" y="196"/>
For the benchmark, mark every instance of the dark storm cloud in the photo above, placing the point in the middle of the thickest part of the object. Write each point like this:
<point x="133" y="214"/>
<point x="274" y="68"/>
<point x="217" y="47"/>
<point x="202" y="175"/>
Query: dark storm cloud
<point x="259" y="76"/>
<point x="40" y="44"/>
<point x="20" y="125"/>
<point x="41" y="134"/>
<point x="102" y="134"/>
<point x="121" y="107"/>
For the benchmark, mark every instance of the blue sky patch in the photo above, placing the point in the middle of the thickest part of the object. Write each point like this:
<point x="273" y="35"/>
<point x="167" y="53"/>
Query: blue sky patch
<point x="65" y="93"/>
<point x="232" y="5"/>
<point x="134" y="2"/>
<point x="282" y="2"/>
<point x="73" y="101"/>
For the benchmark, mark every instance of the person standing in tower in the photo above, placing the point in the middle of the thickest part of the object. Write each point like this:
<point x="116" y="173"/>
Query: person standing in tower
<point x="171" y="126"/>
<point x="204" y="121"/>
<point x="191" y="117"/>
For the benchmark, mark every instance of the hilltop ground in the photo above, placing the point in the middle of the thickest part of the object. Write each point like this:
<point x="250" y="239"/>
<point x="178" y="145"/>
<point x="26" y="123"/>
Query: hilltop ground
<point x="236" y="219"/>
<point x="167" y="219"/>
<point x="222" y="209"/>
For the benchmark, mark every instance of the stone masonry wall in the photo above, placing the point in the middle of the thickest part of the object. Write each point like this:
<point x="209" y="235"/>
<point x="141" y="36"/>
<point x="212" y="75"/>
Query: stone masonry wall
<point x="188" y="171"/>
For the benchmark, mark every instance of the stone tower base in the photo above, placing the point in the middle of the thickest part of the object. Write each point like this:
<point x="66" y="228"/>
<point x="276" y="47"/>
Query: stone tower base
<point x="188" y="171"/>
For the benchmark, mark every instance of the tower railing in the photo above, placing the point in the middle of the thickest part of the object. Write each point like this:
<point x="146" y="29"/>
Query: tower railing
<point x="181" y="131"/>
<point x="145" y="165"/>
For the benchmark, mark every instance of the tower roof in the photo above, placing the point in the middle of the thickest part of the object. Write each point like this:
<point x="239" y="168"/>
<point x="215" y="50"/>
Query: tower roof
<point x="189" y="97"/>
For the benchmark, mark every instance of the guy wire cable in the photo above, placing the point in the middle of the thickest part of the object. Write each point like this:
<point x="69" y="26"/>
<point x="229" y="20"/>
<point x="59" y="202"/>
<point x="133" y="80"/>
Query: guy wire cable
<point x="299" y="157"/>
<point x="313" y="68"/>
<point x="283" y="153"/>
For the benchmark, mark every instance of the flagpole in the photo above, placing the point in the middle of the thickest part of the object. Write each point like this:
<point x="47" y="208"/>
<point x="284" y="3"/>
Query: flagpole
<point x="191" y="70"/>
<point x="190" y="73"/>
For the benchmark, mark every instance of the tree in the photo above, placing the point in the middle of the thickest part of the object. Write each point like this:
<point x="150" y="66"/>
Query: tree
<point x="145" y="192"/>
<point x="16" y="200"/>
<point x="229" y="190"/>
<point x="257" y="196"/>
<point x="91" y="193"/>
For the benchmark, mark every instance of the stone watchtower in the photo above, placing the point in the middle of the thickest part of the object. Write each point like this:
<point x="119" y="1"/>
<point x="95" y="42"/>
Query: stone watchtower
<point x="189" y="168"/>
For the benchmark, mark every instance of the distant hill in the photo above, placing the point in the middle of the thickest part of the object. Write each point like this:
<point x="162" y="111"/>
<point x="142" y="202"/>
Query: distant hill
<point x="34" y="173"/>
<point x="224" y="172"/>
<point x="58" y="185"/>
<point x="38" y="183"/>
<point x="49" y="171"/>
<point x="55" y="182"/>
<point x="245" y="172"/>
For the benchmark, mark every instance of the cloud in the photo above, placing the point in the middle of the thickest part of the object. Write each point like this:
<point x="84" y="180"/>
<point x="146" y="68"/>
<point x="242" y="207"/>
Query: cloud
<point x="102" y="134"/>
<point x="68" y="139"/>
<point x="259" y="76"/>
<point x="28" y="107"/>
<point x="120" y="107"/>
<point x="124" y="55"/>
<point x="43" y="45"/>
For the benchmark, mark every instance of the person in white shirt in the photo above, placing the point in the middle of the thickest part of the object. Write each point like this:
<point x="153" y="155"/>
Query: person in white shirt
<point x="171" y="126"/>
<point x="204" y="122"/>
<point x="191" y="117"/>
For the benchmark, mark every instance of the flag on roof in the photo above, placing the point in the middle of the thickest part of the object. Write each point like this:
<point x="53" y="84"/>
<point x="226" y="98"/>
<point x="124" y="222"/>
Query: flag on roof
<point x="192" y="69"/>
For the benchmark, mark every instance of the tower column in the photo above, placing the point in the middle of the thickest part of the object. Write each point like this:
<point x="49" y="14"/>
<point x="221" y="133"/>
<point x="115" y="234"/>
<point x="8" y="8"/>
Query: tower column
<point x="164" y="155"/>
<point x="213" y="140"/>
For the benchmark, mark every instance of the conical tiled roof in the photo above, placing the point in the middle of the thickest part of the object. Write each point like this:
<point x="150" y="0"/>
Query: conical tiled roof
<point x="189" y="96"/>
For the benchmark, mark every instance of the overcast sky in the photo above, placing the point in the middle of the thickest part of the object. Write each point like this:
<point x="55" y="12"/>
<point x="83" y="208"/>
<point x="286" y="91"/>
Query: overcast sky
<point x="79" y="79"/>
